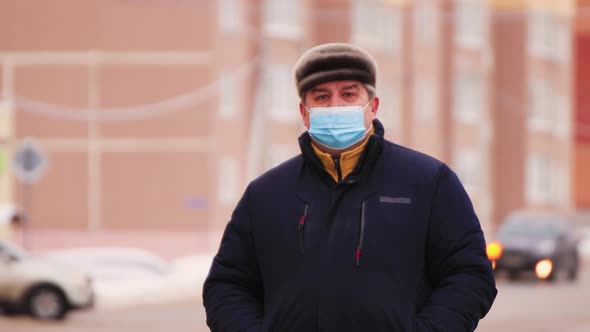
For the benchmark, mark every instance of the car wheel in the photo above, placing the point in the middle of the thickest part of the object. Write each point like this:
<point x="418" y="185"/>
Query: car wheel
<point x="8" y="310"/>
<point x="47" y="303"/>
<point x="560" y="273"/>
<point x="572" y="273"/>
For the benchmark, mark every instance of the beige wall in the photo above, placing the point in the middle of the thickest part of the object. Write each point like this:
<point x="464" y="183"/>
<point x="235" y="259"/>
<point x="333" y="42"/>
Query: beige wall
<point x="107" y="25"/>
<point x="141" y="171"/>
<point x="56" y="85"/>
<point x="60" y="197"/>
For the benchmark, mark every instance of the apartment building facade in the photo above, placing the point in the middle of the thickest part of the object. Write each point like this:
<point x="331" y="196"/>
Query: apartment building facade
<point x="158" y="113"/>
<point x="471" y="112"/>
<point x="127" y="104"/>
<point x="508" y="24"/>
<point x="549" y="122"/>
<point x="431" y="71"/>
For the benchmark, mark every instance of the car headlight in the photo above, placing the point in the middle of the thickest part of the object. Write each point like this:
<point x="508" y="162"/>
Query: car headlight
<point x="494" y="250"/>
<point x="546" y="247"/>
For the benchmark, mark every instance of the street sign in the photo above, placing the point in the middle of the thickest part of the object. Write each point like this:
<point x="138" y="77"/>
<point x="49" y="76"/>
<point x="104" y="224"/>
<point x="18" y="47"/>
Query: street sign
<point x="30" y="161"/>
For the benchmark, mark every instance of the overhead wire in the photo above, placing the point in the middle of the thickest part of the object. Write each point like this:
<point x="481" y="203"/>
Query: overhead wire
<point x="145" y="111"/>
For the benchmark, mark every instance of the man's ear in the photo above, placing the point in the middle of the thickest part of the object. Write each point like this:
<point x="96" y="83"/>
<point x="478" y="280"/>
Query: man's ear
<point x="374" y="106"/>
<point x="304" y="115"/>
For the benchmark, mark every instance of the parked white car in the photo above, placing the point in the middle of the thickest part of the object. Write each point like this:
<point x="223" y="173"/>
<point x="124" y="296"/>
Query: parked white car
<point x="39" y="286"/>
<point x="112" y="263"/>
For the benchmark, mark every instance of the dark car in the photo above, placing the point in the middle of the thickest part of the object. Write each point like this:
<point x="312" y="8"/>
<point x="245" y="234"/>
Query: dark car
<point x="541" y="243"/>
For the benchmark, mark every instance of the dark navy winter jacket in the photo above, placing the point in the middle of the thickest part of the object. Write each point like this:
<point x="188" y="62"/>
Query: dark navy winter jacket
<point x="395" y="246"/>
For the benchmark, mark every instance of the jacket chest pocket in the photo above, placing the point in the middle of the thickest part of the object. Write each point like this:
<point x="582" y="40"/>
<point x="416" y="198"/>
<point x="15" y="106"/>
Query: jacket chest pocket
<point x="394" y="231"/>
<point x="284" y="234"/>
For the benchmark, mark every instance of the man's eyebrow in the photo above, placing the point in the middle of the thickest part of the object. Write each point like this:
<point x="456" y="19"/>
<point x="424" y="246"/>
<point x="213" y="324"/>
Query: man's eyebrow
<point x="318" y="90"/>
<point x="352" y="86"/>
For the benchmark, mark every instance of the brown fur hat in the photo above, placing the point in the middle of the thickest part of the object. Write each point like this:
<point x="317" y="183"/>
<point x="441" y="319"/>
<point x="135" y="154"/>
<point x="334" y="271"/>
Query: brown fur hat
<point x="334" y="62"/>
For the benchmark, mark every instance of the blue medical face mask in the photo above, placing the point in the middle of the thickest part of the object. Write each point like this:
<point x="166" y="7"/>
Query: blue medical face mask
<point x="339" y="127"/>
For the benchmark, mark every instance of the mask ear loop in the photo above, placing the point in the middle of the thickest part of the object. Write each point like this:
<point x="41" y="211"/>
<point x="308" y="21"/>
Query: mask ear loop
<point x="371" y="126"/>
<point x="367" y="104"/>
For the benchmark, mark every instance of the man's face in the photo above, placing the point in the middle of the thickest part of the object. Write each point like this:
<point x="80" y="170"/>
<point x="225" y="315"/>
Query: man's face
<point x="339" y="93"/>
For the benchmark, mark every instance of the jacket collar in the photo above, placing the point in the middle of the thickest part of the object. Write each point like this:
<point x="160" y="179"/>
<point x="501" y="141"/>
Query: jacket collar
<point x="366" y="162"/>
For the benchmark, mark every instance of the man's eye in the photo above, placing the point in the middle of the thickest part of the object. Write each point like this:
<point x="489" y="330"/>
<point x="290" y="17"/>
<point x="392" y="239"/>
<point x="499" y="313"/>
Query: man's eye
<point x="348" y="94"/>
<point x="321" y="97"/>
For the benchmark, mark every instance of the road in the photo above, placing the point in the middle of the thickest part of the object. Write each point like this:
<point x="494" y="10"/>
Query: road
<point x="529" y="305"/>
<point x="183" y="317"/>
<point x="524" y="306"/>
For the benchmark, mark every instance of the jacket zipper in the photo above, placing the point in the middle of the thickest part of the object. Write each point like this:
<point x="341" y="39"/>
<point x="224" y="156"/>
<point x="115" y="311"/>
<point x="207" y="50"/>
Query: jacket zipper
<point x="359" y="247"/>
<point x="301" y="229"/>
<point x="337" y="167"/>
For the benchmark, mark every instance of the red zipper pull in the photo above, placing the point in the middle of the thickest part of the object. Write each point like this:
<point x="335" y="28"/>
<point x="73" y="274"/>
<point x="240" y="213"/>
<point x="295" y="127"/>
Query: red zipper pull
<point x="302" y="219"/>
<point x="302" y="222"/>
<point x="300" y="228"/>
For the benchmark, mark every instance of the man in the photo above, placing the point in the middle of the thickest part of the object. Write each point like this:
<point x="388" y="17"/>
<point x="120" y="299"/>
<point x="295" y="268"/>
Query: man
<point x="355" y="233"/>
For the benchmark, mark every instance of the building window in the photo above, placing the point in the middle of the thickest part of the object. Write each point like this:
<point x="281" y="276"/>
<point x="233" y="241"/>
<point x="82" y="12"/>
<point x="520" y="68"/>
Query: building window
<point x="469" y="96"/>
<point x="282" y="18"/>
<point x="539" y="184"/>
<point x="227" y="97"/>
<point x="471" y="28"/>
<point x="549" y="36"/>
<point x="542" y="105"/>
<point x="563" y="44"/>
<point x="468" y="167"/>
<point x="376" y="25"/>
<point x="425" y="97"/>
<point x="231" y="18"/>
<point x="563" y="114"/>
<point x="228" y="180"/>
<point x="562" y="181"/>
<point x="538" y="31"/>
<point x="6" y="106"/>
<point x="549" y="109"/>
<point x="548" y="180"/>
<point x="426" y="23"/>
<point x="282" y="96"/>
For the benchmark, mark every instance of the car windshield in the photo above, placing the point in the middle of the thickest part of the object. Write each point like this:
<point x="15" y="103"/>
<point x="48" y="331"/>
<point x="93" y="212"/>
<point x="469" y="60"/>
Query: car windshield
<point x="529" y="228"/>
<point x="9" y="250"/>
